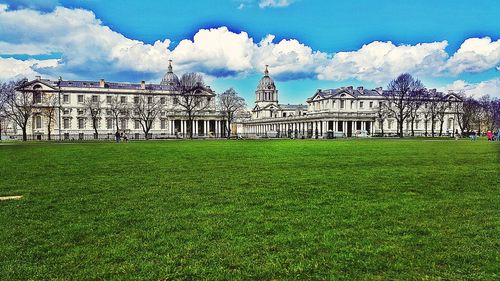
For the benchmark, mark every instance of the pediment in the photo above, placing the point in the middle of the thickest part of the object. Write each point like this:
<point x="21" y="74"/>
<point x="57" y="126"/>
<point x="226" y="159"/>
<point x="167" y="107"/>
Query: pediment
<point x="36" y="84"/>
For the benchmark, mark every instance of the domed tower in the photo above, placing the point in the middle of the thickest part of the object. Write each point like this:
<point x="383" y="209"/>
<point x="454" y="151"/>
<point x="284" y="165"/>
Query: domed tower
<point x="266" y="91"/>
<point x="170" y="79"/>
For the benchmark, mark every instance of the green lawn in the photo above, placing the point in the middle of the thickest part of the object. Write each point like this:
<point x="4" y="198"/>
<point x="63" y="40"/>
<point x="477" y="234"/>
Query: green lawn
<point x="343" y="210"/>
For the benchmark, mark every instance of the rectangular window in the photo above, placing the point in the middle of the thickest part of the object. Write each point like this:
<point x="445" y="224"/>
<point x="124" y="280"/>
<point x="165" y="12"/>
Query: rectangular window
<point x="80" y="98"/>
<point x="342" y="104"/>
<point x="66" y="98"/>
<point x="66" y="111"/>
<point x="123" y="123"/>
<point x="150" y="100"/>
<point x="380" y="104"/>
<point x="80" y="111"/>
<point x="95" y="98"/>
<point x="352" y="104"/>
<point x="109" y="112"/>
<point x="108" y="99"/>
<point x="371" y="104"/>
<point x="360" y="104"/>
<point x="81" y="123"/>
<point x="162" y="100"/>
<point x="163" y="124"/>
<point x="136" y="100"/>
<point x="37" y="97"/>
<point x="137" y="124"/>
<point x="123" y="99"/>
<point x="162" y="113"/>
<point x="66" y="123"/>
<point x="109" y="123"/>
<point x="176" y="101"/>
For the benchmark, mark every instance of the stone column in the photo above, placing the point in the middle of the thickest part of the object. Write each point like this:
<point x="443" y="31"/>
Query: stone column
<point x="195" y="128"/>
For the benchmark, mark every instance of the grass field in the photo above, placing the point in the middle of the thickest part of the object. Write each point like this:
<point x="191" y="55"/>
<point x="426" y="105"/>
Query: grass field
<point x="343" y="210"/>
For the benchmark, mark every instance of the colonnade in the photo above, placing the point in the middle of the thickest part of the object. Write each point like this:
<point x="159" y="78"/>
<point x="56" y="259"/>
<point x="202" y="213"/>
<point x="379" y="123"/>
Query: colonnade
<point x="313" y="128"/>
<point x="215" y="128"/>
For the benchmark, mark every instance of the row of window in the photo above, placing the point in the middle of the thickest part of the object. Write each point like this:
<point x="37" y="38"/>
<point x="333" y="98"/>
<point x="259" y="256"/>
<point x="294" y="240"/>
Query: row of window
<point x="110" y="123"/>
<point x="361" y="104"/>
<point x="122" y="99"/>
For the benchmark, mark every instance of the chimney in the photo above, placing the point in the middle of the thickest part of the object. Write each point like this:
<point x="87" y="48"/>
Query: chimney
<point x="350" y="88"/>
<point x="360" y="89"/>
<point x="102" y="83"/>
<point x="143" y="85"/>
<point x="379" y="90"/>
<point x="38" y="77"/>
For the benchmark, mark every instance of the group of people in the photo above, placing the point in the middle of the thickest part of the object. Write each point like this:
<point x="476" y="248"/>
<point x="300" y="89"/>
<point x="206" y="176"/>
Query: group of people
<point x="119" y="136"/>
<point x="492" y="135"/>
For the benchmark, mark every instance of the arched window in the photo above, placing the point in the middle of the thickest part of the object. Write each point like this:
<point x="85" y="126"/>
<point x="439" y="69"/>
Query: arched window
<point x="38" y="122"/>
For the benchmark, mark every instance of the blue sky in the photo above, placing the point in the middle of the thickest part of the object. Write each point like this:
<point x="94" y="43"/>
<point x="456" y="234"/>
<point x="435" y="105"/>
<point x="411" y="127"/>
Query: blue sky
<point x="313" y="44"/>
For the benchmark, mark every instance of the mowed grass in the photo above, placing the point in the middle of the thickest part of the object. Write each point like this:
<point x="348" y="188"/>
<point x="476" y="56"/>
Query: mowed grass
<point x="342" y="210"/>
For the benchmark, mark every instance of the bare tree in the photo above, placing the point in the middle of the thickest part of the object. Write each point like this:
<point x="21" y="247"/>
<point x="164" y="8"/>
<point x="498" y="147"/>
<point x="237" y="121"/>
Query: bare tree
<point x="18" y="104"/>
<point x="229" y="103"/>
<point x="487" y="114"/>
<point x="50" y="104"/>
<point x="382" y="115"/>
<point x="93" y="107"/>
<point x="146" y="109"/>
<point x="192" y="97"/>
<point x="118" y="110"/>
<point x="398" y="97"/>
<point x="464" y="112"/>
<point x="416" y="100"/>
<point x="434" y="105"/>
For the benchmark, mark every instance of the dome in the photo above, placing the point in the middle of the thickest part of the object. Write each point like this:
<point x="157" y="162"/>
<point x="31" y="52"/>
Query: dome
<point x="170" y="79"/>
<point x="266" y="83"/>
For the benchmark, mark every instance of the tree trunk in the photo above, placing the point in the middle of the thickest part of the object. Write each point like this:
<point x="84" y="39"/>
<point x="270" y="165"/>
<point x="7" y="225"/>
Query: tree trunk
<point x="117" y="127"/>
<point x="401" y="129"/>
<point x="441" y="128"/>
<point x="48" y="131"/>
<point x="412" y="127"/>
<point x="25" y="135"/>
<point x="432" y="128"/>
<point x="228" y="125"/>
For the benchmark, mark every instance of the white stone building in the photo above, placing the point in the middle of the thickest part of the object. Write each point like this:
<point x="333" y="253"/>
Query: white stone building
<point x="342" y="112"/>
<point x="72" y="119"/>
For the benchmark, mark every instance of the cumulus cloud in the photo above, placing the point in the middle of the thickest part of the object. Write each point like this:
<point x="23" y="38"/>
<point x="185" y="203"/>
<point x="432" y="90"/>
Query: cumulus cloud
<point x="488" y="87"/>
<point x="90" y="49"/>
<point x="379" y="61"/>
<point x="475" y="55"/>
<point x="15" y="69"/>
<point x="274" y="3"/>
<point x="42" y="5"/>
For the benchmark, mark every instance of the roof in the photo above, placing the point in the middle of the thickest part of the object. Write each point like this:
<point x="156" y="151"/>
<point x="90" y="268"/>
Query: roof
<point x="359" y="92"/>
<point x="292" y="106"/>
<point x="107" y="85"/>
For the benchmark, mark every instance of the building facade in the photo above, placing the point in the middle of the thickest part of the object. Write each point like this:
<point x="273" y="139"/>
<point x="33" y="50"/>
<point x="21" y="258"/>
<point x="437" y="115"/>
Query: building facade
<point x="341" y="112"/>
<point x="118" y="110"/>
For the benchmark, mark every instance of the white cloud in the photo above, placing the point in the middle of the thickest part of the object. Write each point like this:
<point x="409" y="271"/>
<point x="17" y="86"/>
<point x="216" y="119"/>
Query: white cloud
<point x="15" y="69"/>
<point x="91" y="49"/>
<point x="43" y="5"/>
<point x="274" y="3"/>
<point x="488" y="87"/>
<point x="475" y="55"/>
<point x="380" y="61"/>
